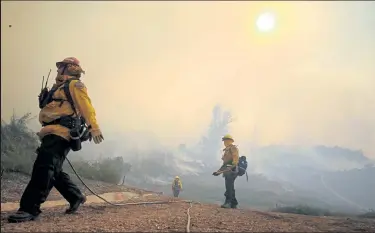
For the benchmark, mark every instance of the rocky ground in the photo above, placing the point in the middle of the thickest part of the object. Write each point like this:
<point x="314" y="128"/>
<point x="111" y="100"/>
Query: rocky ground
<point x="171" y="217"/>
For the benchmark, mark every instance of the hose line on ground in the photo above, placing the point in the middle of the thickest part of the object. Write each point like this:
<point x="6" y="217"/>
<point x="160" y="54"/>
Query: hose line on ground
<point x="188" y="216"/>
<point x="137" y="203"/>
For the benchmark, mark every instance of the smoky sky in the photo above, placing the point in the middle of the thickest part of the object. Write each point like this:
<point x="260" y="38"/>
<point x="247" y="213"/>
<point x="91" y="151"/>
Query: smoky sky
<point x="161" y="67"/>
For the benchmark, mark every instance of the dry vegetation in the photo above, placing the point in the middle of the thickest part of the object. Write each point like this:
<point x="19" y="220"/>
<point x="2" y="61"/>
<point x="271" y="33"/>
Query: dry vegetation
<point x="18" y="145"/>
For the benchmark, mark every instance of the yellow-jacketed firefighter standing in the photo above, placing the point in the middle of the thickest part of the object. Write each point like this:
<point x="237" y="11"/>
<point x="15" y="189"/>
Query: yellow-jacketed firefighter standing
<point x="176" y="186"/>
<point x="229" y="170"/>
<point x="68" y="119"/>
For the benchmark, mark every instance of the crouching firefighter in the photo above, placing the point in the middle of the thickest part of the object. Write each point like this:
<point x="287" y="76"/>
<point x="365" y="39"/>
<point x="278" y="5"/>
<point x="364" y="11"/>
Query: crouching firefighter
<point x="176" y="186"/>
<point x="68" y="119"/>
<point x="229" y="169"/>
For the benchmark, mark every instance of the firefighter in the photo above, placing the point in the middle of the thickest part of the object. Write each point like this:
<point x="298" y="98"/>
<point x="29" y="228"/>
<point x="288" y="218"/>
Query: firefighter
<point x="176" y="186"/>
<point x="229" y="170"/>
<point x="63" y="109"/>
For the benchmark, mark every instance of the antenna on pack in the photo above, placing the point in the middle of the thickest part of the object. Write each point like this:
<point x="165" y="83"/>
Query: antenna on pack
<point x="42" y="83"/>
<point x="47" y="78"/>
<point x="44" y="92"/>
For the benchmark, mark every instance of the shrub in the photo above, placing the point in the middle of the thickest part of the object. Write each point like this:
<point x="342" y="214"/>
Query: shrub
<point x="19" y="143"/>
<point x="108" y="170"/>
<point x="370" y="214"/>
<point x="303" y="209"/>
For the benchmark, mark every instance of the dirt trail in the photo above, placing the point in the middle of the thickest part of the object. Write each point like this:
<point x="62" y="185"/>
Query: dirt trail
<point x="91" y="199"/>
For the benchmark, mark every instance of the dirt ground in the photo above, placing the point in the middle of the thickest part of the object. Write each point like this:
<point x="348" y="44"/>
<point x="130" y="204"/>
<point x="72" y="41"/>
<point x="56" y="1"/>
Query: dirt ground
<point x="173" y="218"/>
<point x="170" y="217"/>
<point x="13" y="185"/>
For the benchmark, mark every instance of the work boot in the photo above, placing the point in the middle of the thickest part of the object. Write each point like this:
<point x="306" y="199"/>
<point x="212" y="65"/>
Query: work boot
<point x="226" y="205"/>
<point x="21" y="216"/>
<point x="74" y="206"/>
<point x="234" y="207"/>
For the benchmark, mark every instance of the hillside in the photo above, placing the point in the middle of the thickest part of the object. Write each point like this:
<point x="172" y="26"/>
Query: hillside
<point x="336" y="187"/>
<point x="272" y="160"/>
<point x="171" y="217"/>
<point x="154" y="169"/>
<point x="303" y="186"/>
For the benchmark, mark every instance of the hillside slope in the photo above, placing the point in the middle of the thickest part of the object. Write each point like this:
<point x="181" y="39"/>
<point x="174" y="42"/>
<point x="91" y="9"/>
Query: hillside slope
<point x="168" y="217"/>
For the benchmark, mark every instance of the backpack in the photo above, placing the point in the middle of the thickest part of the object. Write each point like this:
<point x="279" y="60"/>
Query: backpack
<point x="77" y="125"/>
<point x="242" y="166"/>
<point x="47" y="96"/>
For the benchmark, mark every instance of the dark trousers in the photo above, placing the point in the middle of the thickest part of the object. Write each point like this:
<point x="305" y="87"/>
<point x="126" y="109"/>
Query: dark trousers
<point x="230" y="193"/>
<point x="176" y="192"/>
<point x="47" y="173"/>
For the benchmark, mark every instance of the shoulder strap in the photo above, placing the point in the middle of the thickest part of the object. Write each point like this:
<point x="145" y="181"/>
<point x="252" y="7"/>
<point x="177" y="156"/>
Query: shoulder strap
<point x="231" y="147"/>
<point x="48" y="97"/>
<point x="68" y="95"/>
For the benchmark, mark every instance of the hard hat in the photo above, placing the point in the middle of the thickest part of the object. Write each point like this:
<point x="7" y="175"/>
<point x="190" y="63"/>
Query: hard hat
<point x="228" y="137"/>
<point x="68" y="60"/>
<point x="177" y="177"/>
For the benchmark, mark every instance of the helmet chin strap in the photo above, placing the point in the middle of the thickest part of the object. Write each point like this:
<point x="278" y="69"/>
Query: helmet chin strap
<point x="63" y="71"/>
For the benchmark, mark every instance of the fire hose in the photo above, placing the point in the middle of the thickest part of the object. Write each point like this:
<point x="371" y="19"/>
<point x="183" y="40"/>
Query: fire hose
<point x="136" y="203"/>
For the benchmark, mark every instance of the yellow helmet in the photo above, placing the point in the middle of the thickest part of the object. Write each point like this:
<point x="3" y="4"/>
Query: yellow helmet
<point x="228" y="137"/>
<point x="177" y="177"/>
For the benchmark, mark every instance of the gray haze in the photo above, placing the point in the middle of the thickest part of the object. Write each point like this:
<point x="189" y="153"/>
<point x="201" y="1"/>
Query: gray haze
<point x="165" y="77"/>
<point x="156" y="69"/>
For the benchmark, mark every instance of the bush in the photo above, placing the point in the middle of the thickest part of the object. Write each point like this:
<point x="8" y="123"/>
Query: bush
<point x="19" y="143"/>
<point x="108" y="170"/>
<point x="370" y="214"/>
<point x="303" y="209"/>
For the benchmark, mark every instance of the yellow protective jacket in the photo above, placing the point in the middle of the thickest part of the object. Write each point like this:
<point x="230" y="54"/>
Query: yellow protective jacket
<point x="177" y="184"/>
<point x="230" y="155"/>
<point x="57" y="109"/>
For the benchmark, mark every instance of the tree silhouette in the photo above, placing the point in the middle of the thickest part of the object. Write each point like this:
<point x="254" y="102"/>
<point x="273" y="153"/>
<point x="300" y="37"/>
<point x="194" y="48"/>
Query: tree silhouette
<point x="211" y="143"/>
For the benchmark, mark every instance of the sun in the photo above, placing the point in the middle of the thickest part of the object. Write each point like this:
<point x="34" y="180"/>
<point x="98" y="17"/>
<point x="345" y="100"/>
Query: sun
<point x="265" y="22"/>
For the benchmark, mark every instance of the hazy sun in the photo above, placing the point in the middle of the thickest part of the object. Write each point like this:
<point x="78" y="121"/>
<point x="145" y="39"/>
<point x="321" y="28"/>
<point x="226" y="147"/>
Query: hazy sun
<point x="265" y="22"/>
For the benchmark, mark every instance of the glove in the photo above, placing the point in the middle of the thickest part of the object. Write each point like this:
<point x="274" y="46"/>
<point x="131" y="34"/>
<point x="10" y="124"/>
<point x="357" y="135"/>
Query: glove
<point x="215" y="174"/>
<point x="97" y="136"/>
